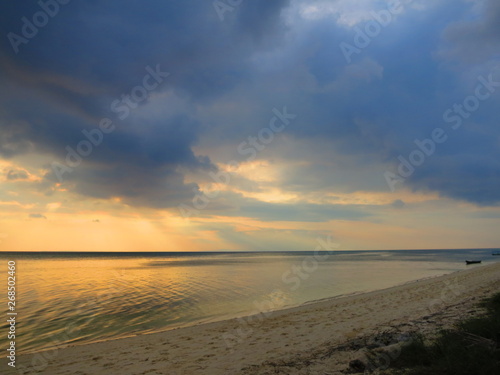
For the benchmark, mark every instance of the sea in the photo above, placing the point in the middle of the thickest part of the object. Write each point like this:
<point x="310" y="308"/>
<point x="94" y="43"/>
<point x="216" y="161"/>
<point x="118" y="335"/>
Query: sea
<point x="75" y="298"/>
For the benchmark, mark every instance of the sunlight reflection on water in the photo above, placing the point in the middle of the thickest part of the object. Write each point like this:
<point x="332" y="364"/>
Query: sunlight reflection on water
<point x="70" y="299"/>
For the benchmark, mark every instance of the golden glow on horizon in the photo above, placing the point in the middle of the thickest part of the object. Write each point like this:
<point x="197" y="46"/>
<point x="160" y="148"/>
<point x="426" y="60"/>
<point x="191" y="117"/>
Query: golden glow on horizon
<point x="66" y="222"/>
<point x="166" y="232"/>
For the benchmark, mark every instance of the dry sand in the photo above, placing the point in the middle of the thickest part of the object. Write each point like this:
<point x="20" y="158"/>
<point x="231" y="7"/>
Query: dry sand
<point x="317" y="338"/>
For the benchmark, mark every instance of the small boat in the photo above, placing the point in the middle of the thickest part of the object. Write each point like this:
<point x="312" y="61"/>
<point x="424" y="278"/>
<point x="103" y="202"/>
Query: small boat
<point x="495" y="253"/>
<point x="472" y="261"/>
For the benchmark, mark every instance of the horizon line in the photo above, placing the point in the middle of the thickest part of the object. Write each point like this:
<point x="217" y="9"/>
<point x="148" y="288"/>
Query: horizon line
<point x="230" y="251"/>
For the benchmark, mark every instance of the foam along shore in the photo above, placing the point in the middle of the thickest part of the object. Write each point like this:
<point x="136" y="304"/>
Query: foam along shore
<point x="313" y="338"/>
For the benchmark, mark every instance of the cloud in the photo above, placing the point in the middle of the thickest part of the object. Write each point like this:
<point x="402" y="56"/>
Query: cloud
<point x="475" y="39"/>
<point x="37" y="216"/>
<point x="470" y="178"/>
<point x="235" y="205"/>
<point x="398" y="203"/>
<point x="353" y="120"/>
<point x="57" y="93"/>
<point x="17" y="174"/>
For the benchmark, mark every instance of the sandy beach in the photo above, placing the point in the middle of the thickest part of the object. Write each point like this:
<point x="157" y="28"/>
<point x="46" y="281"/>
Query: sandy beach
<point x="317" y="338"/>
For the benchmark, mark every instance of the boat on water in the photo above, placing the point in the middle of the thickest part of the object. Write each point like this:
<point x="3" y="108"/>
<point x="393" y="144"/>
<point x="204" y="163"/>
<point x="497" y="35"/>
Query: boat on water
<point x="495" y="253"/>
<point x="472" y="261"/>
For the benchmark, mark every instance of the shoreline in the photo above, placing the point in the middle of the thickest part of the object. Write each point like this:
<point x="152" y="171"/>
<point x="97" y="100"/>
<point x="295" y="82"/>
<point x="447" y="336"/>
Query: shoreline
<point x="229" y="317"/>
<point x="231" y="345"/>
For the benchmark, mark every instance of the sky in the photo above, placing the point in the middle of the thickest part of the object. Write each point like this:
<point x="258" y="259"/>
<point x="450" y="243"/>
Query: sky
<point x="249" y="125"/>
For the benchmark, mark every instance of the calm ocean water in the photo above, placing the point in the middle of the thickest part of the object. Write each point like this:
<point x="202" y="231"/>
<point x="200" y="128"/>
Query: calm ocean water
<point x="68" y="298"/>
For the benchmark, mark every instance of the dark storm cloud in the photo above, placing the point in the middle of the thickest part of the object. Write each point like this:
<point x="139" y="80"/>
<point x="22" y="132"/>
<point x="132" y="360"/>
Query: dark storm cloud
<point x="388" y="93"/>
<point x="369" y="111"/>
<point x="109" y="43"/>
<point x="393" y="93"/>
<point x="89" y="54"/>
<point x="136" y="185"/>
<point x="475" y="40"/>
<point x="473" y="178"/>
<point x="260" y="18"/>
